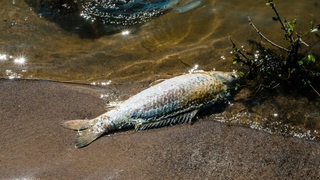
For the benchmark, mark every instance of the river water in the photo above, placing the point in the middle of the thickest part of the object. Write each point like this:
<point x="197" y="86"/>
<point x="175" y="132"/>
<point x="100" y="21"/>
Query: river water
<point x="54" y="41"/>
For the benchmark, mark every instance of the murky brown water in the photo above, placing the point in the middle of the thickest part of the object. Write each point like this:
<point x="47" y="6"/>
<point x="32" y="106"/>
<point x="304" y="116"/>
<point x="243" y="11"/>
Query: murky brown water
<point x="164" y="45"/>
<point x="33" y="46"/>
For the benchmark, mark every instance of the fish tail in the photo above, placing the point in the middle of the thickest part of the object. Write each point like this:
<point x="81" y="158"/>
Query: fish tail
<point x="78" y="124"/>
<point x="87" y="132"/>
<point x="87" y="136"/>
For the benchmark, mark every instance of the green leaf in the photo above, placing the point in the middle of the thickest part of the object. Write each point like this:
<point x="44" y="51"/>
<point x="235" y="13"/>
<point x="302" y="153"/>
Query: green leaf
<point x="314" y="30"/>
<point x="308" y="59"/>
<point x="306" y="81"/>
<point x="290" y="26"/>
<point x="270" y="3"/>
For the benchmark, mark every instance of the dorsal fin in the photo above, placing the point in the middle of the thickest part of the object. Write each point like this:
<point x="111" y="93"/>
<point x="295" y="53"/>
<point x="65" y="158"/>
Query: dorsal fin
<point x="113" y="104"/>
<point x="177" y="119"/>
<point x="156" y="82"/>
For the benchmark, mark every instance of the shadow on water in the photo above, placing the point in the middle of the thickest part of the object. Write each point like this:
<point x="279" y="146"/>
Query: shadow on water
<point x="269" y="63"/>
<point x="289" y="108"/>
<point x="211" y="109"/>
<point x="92" y="19"/>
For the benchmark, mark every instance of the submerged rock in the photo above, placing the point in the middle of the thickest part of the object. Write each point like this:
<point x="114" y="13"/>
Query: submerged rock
<point x="124" y="12"/>
<point x="98" y="17"/>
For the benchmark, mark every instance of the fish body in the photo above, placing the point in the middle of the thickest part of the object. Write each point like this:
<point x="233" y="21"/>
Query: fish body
<point x="173" y="101"/>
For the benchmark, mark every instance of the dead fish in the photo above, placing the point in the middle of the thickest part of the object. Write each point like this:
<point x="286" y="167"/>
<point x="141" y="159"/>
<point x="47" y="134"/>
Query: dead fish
<point x="172" y="101"/>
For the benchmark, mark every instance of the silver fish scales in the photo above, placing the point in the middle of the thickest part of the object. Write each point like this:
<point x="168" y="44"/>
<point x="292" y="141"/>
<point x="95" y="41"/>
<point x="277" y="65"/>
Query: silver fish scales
<point x="173" y="101"/>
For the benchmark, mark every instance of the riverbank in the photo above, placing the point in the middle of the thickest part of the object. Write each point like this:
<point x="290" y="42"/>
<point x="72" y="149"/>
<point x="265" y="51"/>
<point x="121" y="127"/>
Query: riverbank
<point x="34" y="145"/>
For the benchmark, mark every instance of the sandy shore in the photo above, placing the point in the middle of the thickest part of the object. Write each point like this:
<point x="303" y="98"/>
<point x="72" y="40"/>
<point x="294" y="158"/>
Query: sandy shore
<point x="34" y="145"/>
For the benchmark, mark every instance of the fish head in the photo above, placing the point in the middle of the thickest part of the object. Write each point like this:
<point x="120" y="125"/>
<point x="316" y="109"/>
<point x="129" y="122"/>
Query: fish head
<point x="227" y="78"/>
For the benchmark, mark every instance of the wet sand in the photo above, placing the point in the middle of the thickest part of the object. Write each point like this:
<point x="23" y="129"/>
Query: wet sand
<point x="34" y="145"/>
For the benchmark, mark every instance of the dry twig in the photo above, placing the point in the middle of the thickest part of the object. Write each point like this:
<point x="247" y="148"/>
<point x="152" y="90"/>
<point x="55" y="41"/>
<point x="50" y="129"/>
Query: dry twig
<point x="264" y="37"/>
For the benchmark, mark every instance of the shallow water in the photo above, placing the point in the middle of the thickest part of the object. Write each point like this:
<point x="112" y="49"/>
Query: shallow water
<point x="57" y="44"/>
<point x="60" y="47"/>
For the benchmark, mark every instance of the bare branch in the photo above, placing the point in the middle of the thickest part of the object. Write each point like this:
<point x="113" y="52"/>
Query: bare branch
<point x="300" y="39"/>
<point x="264" y="37"/>
<point x="314" y="90"/>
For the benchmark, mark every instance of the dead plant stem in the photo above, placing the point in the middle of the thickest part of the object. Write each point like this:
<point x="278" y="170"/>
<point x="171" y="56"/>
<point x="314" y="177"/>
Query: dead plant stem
<point x="264" y="37"/>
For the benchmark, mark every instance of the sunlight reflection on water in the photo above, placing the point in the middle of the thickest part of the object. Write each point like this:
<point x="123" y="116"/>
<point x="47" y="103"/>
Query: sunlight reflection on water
<point x="20" y="60"/>
<point x="3" y="57"/>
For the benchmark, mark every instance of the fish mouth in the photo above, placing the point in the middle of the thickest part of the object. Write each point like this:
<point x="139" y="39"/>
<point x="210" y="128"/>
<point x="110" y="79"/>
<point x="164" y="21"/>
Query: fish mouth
<point x="234" y="76"/>
<point x="227" y="78"/>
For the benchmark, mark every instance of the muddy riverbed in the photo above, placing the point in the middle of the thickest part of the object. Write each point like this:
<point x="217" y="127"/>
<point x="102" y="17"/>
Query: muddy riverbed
<point x="34" y="145"/>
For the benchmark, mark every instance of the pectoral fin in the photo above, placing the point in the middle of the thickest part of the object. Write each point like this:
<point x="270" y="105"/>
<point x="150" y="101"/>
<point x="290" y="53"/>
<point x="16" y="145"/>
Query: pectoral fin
<point x="165" y="121"/>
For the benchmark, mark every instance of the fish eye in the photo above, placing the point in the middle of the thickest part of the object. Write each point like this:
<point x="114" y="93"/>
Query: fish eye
<point x="234" y="76"/>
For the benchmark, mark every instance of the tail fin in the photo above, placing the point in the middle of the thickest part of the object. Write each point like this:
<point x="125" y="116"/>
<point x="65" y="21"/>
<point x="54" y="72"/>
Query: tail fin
<point x="87" y="136"/>
<point x="78" y="124"/>
<point x="86" y="132"/>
